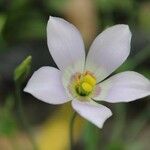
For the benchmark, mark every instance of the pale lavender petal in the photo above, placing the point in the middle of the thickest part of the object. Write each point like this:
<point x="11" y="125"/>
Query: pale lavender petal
<point x="93" y="112"/>
<point x="65" y="44"/>
<point x="109" y="50"/>
<point x="124" y="87"/>
<point x="45" y="84"/>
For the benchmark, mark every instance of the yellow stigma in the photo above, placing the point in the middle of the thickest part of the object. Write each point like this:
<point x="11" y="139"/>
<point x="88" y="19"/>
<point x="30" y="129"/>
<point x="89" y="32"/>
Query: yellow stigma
<point x="84" y="84"/>
<point x="89" y="79"/>
<point x="87" y="87"/>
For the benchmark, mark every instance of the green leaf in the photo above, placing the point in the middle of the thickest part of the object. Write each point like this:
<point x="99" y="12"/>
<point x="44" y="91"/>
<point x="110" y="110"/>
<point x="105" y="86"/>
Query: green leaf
<point x="56" y="5"/>
<point x="136" y="60"/>
<point x="2" y="21"/>
<point x="23" y="70"/>
<point x="144" y="17"/>
<point x="7" y="120"/>
<point x="91" y="137"/>
<point x="7" y="125"/>
<point x="115" y="145"/>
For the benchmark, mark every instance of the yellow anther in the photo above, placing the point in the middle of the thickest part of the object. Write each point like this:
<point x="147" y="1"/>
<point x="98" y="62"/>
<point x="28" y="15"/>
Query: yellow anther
<point x="83" y="85"/>
<point x="87" y="87"/>
<point x="89" y="79"/>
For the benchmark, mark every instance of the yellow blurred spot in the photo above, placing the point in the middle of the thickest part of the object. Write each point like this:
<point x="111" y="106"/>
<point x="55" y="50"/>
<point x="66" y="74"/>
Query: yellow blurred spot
<point x="54" y="133"/>
<point x="87" y="87"/>
<point x="91" y="80"/>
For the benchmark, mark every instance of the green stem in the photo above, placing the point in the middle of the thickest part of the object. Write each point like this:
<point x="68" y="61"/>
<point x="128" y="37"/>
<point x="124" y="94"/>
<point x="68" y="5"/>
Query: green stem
<point x="21" y="115"/>
<point x="71" y="129"/>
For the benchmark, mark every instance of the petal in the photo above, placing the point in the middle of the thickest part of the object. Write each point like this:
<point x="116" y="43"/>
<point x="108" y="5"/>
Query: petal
<point x="68" y="76"/>
<point x="109" y="50"/>
<point x="45" y="84"/>
<point x="65" y="43"/>
<point x="124" y="87"/>
<point x="93" y="112"/>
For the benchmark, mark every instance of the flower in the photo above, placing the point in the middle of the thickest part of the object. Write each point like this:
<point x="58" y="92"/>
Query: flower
<point x="80" y="78"/>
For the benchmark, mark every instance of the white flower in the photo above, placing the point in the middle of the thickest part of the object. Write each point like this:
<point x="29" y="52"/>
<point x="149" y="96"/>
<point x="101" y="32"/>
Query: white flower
<point x="80" y="78"/>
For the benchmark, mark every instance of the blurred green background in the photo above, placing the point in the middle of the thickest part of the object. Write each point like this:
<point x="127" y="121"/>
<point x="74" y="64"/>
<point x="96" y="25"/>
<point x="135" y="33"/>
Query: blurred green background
<point x="23" y="33"/>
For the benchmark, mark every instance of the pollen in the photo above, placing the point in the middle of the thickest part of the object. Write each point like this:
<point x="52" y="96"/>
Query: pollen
<point x="89" y="79"/>
<point x="86" y="87"/>
<point x="83" y="85"/>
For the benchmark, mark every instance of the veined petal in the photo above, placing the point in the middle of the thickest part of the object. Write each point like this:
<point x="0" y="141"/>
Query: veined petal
<point x="93" y="112"/>
<point x="124" y="87"/>
<point x="109" y="50"/>
<point x="45" y="84"/>
<point x="65" y="44"/>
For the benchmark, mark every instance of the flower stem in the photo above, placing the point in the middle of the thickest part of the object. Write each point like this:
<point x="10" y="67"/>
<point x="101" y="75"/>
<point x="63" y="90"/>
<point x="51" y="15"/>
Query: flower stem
<point x="21" y="116"/>
<point x="71" y="129"/>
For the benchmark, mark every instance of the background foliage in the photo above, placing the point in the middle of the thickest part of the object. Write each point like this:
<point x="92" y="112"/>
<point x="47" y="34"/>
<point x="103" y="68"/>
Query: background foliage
<point x="23" y="33"/>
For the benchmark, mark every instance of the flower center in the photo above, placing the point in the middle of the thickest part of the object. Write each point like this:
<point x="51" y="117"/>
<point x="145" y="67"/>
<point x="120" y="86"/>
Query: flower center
<point x="83" y="85"/>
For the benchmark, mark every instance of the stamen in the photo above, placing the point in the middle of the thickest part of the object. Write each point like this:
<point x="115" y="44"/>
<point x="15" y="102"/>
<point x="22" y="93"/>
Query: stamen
<point x="91" y="80"/>
<point x="83" y="85"/>
<point x="87" y="87"/>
